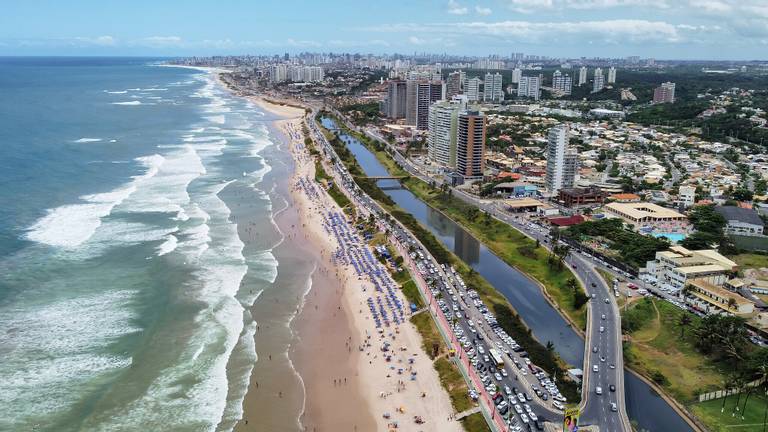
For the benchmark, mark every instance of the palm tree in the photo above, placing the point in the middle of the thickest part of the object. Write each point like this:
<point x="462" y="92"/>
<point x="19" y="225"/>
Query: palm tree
<point x="685" y="320"/>
<point x="572" y="284"/>
<point x="731" y="303"/>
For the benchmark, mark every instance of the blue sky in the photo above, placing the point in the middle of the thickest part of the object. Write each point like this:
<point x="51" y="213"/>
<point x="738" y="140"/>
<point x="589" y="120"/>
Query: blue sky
<point x="663" y="29"/>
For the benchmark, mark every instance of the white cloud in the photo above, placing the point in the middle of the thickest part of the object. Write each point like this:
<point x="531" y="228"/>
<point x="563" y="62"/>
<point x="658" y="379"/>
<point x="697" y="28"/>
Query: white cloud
<point x="483" y="10"/>
<point x="99" y="40"/>
<point x="454" y="8"/>
<point x="161" y="41"/>
<point x="416" y="40"/>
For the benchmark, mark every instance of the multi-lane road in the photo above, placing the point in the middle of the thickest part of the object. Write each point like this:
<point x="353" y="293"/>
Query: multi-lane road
<point x="603" y="333"/>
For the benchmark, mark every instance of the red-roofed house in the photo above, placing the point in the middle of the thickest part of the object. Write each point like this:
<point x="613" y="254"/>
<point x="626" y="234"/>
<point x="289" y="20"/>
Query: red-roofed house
<point x="504" y="175"/>
<point x="567" y="221"/>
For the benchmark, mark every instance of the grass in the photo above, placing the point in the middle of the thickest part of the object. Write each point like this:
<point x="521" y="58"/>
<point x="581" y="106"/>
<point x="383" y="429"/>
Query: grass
<point x="475" y="423"/>
<point x="750" y="260"/>
<point x="662" y="351"/>
<point x="454" y="383"/>
<point x="411" y="292"/>
<point x="709" y="413"/>
<point x="431" y="341"/>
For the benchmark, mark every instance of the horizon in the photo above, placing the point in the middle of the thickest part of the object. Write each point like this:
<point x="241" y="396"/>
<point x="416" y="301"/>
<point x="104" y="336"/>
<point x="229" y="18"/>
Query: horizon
<point x="690" y="30"/>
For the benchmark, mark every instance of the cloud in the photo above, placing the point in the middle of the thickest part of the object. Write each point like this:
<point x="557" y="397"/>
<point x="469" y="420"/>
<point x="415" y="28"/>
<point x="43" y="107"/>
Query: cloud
<point x="454" y="8"/>
<point x="416" y="40"/>
<point x="483" y="10"/>
<point x="160" y="41"/>
<point x="98" y="40"/>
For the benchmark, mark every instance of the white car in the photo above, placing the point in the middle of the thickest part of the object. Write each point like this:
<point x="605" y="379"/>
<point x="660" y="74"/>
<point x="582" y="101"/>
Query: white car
<point x="598" y="390"/>
<point x="524" y="418"/>
<point x="594" y="368"/>
<point x="497" y="376"/>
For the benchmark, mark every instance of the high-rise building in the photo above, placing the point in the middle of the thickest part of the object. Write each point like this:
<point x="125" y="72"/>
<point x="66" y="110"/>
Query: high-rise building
<point x="561" y="161"/>
<point x="561" y="82"/>
<point x="664" y="93"/>
<point x="472" y="90"/>
<point x="612" y="75"/>
<point x="420" y="95"/>
<point x="396" y="99"/>
<point x="529" y="86"/>
<point x="599" y="82"/>
<point x="493" y="90"/>
<point x="582" y="76"/>
<point x="278" y="73"/>
<point x="443" y="122"/>
<point x="454" y="85"/>
<point x="470" y="145"/>
<point x="516" y="74"/>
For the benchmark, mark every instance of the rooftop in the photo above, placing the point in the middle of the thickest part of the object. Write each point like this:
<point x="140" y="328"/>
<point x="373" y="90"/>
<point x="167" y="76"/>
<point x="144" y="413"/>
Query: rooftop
<point x="739" y="214"/>
<point x="642" y="210"/>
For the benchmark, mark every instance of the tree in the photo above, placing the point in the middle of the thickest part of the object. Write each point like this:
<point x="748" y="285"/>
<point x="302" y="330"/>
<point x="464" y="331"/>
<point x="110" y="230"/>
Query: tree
<point x="572" y="284"/>
<point x="731" y="303"/>
<point x="685" y="321"/>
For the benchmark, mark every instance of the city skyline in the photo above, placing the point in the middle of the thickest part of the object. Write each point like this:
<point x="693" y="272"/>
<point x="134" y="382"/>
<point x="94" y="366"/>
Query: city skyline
<point x="662" y="29"/>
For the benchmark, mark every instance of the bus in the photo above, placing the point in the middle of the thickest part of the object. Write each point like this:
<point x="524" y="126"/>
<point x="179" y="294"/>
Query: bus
<point x="496" y="357"/>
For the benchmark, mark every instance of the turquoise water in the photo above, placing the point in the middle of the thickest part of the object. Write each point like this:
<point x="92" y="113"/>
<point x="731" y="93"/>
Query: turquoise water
<point x="121" y="267"/>
<point x="673" y="237"/>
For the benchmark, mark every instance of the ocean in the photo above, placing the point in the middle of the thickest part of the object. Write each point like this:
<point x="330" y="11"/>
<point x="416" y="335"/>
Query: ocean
<point x="127" y="274"/>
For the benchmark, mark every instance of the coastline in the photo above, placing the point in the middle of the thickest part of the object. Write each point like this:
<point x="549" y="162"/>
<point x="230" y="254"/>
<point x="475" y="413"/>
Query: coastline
<point x="372" y="387"/>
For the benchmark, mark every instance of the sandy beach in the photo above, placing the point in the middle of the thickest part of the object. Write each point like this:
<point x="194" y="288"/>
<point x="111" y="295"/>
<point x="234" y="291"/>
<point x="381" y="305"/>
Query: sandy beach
<point x="350" y="385"/>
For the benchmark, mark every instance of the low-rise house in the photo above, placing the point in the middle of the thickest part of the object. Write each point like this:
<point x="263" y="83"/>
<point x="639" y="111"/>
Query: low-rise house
<point x="741" y="221"/>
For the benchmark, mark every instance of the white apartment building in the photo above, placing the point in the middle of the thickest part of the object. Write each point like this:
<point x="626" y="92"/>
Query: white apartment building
<point x="561" y="82"/>
<point x="443" y="121"/>
<point x="686" y="196"/>
<point x="611" y="75"/>
<point x="599" y="81"/>
<point x="493" y="90"/>
<point x="582" y="75"/>
<point x="516" y="74"/>
<point x="529" y="86"/>
<point x="472" y="89"/>
<point x="561" y="161"/>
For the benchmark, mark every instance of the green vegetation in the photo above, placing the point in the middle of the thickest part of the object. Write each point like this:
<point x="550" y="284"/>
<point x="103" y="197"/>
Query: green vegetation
<point x="754" y="415"/>
<point x="362" y="113"/>
<point x="322" y="177"/>
<point x="663" y="347"/>
<point x="475" y="423"/>
<point x="709" y="230"/>
<point x="750" y="260"/>
<point x="453" y="381"/>
<point x="431" y="341"/>
<point x="633" y="248"/>
<point x="411" y="292"/>
<point x="542" y="356"/>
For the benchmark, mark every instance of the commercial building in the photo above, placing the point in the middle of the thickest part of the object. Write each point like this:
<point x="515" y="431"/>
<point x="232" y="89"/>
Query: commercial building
<point x="529" y="86"/>
<point x="420" y="95"/>
<point x="582" y="75"/>
<point x="561" y="82"/>
<point x="561" y="161"/>
<point x="643" y="215"/>
<point x="679" y="266"/>
<point x="493" y="90"/>
<point x="741" y="221"/>
<point x="574" y="197"/>
<point x="443" y="124"/>
<point x="518" y="189"/>
<point x="470" y="145"/>
<point x="612" y="75"/>
<point x="599" y="81"/>
<point x="664" y="93"/>
<point x="396" y="99"/>
<point x="472" y="90"/>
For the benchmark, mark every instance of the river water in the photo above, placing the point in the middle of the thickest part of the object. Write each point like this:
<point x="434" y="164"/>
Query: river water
<point x="644" y="406"/>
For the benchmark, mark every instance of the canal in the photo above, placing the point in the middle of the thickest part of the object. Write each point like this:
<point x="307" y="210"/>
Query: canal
<point x="644" y="406"/>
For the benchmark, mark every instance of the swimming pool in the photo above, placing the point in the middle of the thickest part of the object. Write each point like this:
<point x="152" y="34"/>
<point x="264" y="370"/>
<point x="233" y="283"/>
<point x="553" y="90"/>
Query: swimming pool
<point x="673" y="237"/>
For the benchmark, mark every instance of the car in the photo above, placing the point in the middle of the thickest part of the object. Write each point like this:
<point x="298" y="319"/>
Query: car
<point x="533" y="416"/>
<point x="598" y="390"/>
<point x="612" y="366"/>
<point x="606" y="300"/>
<point x="524" y="418"/>
<point x="593" y="295"/>
<point x="594" y="349"/>
<point x="613" y="407"/>
<point x="518" y="409"/>
<point x="497" y="376"/>
<point x="612" y="388"/>
<point x="527" y="397"/>
<point x="602" y="316"/>
<point x="504" y="373"/>
<point x="602" y="329"/>
<point x="594" y="285"/>
<point x="594" y="368"/>
<point x="508" y="390"/>
<point x="602" y="359"/>
<point x="558" y="405"/>
<point x="520" y="397"/>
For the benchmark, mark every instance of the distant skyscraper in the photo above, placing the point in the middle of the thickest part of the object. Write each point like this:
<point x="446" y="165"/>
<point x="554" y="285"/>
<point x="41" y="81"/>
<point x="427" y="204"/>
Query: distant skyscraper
<point x="561" y="82"/>
<point x="278" y="73"/>
<point x="472" y="90"/>
<point x="599" y="82"/>
<point x="493" y="91"/>
<point x="561" y="161"/>
<point x="454" y="84"/>
<point x="396" y="99"/>
<point x="582" y="76"/>
<point x="612" y="75"/>
<point x="516" y="74"/>
<point x="470" y="145"/>
<point x="529" y="86"/>
<point x="665" y="93"/>
<point x="420" y="95"/>
<point x="443" y="122"/>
